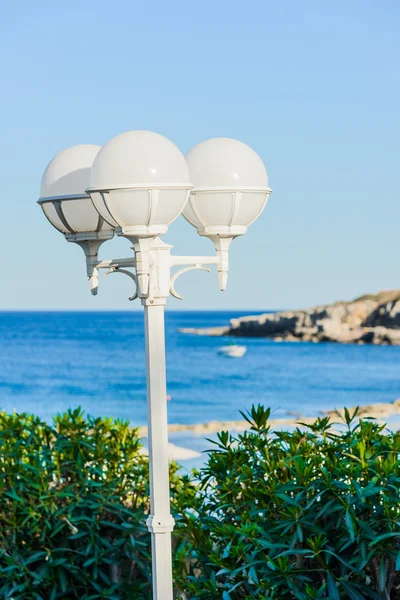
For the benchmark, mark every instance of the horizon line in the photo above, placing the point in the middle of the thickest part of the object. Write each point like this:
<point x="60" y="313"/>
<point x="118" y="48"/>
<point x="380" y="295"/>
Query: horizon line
<point x="127" y="310"/>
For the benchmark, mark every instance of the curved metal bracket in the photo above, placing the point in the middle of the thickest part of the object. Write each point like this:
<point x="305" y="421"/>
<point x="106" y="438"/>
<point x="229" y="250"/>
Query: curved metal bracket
<point x="181" y="272"/>
<point x="125" y="272"/>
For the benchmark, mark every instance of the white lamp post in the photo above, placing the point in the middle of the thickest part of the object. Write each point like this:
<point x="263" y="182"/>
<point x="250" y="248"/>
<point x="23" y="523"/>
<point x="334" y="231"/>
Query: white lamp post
<point x="136" y="185"/>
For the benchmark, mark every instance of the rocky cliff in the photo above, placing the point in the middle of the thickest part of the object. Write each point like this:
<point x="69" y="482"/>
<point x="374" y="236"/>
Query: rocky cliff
<point x="370" y="319"/>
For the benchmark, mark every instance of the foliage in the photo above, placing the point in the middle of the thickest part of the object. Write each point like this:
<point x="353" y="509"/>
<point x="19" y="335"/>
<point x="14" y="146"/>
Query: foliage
<point x="73" y="502"/>
<point x="307" y="514"/>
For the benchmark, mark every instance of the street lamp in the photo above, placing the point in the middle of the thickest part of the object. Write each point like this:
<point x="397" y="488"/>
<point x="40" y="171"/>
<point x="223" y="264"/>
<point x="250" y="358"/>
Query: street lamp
<point x="136" y="185"/>
<point x="69" y="208"/>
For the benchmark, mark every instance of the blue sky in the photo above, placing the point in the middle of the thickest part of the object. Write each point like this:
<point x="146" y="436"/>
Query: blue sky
<point x="312" y="86"/>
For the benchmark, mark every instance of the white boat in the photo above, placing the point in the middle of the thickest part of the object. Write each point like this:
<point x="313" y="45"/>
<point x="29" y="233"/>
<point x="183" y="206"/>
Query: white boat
<point x="233" y="351"/>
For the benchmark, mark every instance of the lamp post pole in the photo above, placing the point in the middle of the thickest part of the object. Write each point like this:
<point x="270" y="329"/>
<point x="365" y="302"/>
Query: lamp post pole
<point x="160" y="521"/>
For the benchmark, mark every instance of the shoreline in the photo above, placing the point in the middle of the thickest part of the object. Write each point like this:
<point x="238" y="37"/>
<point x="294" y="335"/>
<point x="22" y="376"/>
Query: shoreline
<point x="382" y="411"/>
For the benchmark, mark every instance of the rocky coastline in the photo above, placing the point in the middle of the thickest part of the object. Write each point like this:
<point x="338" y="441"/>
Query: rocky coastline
<point x="370" y="319"/>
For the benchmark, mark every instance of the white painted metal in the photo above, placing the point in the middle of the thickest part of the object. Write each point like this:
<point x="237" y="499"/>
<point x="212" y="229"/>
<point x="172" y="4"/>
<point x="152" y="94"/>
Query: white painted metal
<point x="116" y="262"/>
<point x="90" y="242"/>
<point x="160" y="521"/>
<point x="177" y="274"/>
<point x="129" y="274"/>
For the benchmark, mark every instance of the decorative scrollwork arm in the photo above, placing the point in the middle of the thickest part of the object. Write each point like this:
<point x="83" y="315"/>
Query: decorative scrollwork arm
<point x="125" y="272"/>
<point x="179" y="273"/>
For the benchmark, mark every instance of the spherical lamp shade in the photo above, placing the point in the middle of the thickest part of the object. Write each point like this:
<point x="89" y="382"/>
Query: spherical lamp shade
<point x="230" y="187"/>
<point x="139" y="183"/>
<point x="62" y="195"/>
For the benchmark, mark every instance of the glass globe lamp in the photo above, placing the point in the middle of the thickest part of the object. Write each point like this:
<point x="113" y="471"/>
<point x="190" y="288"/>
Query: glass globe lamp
<point x="139" y="183"/>
<point x="63" y="198"/>
<point x="230" y="187"/>
<point x="70" y="209"/>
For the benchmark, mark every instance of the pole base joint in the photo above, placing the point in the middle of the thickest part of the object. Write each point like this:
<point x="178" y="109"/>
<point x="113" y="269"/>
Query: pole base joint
<point x="160" y="525"/>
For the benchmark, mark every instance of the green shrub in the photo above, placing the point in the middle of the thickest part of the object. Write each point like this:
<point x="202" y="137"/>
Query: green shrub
<point x="308" y="514"/>
<point x="73" y="503"/>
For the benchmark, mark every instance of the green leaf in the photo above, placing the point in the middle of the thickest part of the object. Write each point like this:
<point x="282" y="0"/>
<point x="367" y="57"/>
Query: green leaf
<point x="253" y="574"/>
<point x="34" y="557"/>
<point x="351" y="591"/>
<point x="397" y="565"/>
<point x="227" y="550"/>
<point x="332" y="588"/>
<point x="382" y="575"/>
<point x="384" y="536"/>
<point x="350" y="525"/>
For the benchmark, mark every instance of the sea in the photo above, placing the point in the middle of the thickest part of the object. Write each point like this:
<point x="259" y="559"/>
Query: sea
<point x="52" y="361"/>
